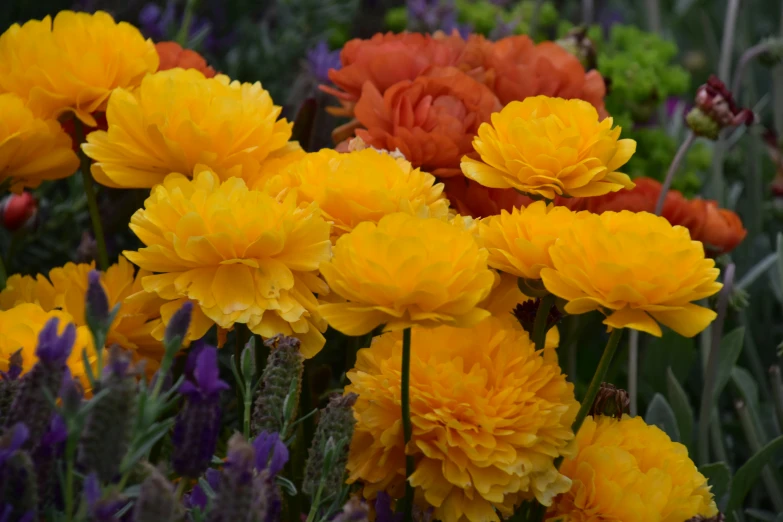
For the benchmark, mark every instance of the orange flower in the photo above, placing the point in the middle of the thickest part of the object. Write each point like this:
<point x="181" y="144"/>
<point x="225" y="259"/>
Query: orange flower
<point x="722" y="230"/>
<point x="469" y="198"/>
<point x="173" y="55"/>
<point x="386" y="59"/>
<point x="516" y="68"/>
<point x="431" y="120"/>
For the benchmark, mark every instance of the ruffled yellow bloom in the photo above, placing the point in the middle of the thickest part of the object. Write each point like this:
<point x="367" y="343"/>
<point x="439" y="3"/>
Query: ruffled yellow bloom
<point x="550" y="147"/>
<point x="354" y="187"/>
<point x="278" y="161"/>
<point x="241" y="256"/>
<point x="178" y="119"/>
<point x="73" y="63"/>
<point x="406" y="271"/>
<point x="626" y="470"/>
<point x="19" y="328"/>
<point x="66" y="288"/>
<point x="637" y="269"/>
<point x="31" y="150"/>
<point x="489" y="417"/>
<point x="518" y="241"/>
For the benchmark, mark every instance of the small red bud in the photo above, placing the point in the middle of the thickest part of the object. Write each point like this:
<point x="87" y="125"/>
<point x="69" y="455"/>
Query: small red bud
<point x="17" y="210"/>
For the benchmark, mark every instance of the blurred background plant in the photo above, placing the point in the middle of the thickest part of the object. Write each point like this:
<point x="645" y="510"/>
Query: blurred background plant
<point x="654" y="55"/>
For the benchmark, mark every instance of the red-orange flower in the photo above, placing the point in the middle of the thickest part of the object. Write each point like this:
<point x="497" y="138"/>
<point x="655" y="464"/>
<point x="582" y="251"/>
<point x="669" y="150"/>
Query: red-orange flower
<point x="516" y="68"/>
<point x="431" y="120"/>
<point x="722" y="230"/>
<point x="386" y="59"/>
<point x="173" y="55"/>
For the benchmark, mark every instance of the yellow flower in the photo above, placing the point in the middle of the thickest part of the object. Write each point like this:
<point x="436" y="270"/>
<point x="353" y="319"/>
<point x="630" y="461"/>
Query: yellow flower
<point x="31" y="150"/>
<point x="406" y="271"/>
<point x="73" y="63"/>
<point x="626" y="470"/>
<point x="66" y="288"/>
<point x="637" y="269"/>
<point x="518" y="242"/>
<point x="550" y="147"/>
<point x="354" y="187"/>
<point x="178" y="119"/>
<point x="277" y="162"/>
<point x="489" y="417"/>
<point x="241" y="256"/>
<point x="19" y="328"/>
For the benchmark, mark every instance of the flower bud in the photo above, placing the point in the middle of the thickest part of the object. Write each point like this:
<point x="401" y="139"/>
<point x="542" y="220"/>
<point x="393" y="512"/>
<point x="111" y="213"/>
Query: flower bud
<point x="699" y="518"/>
<point x="355" y="510"/>
<point x="526" y="312"/>
<point x="336" y="425"/>
<point x="107" y="432"/>
<point x="715" y="110"/>
<point x="610" y="401"/>
<point x="18" y="211"/>
<point x="18" y="482"/>
<point x="177" y="329"/>
<point x="9" y="384"/>
<point x="281" y="384"/>
<point x="100" y="508"/>
<point x="242" y="495"/>
<point x="156" y="502"/>
<point x="96" y="309"/>
<point x="271" y="452"/>
<point x="33" y="402"/>
<point x="578" y="44"/>
<point x="197" y="426"/>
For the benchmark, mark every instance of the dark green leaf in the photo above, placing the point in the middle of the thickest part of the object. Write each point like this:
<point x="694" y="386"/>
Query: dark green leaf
<point x="145" y="444"/>
<point x="730" y="348"/>
<point x="669" y="351"/>
<point x="749" y="473"/>
<point x="760" y="514"/>
<point x="286" y="485"/>
<point x="719" y="477"/>
<point x="660" y="414"/>
<point x="681" y="408"/>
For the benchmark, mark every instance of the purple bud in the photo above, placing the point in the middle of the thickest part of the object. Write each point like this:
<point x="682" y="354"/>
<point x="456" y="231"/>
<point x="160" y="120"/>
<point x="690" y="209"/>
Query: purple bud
<point x="15" y="366"/>
<point x="383" y="509"/>
<point x="12" y="441"/>
<point x="101" y="509"/>
<point x="198" y="497"/>
<point x="96" y="310"/>
<point x="271" y="452"/>
<point x="52" y="349"/>
<point x="321" y="60"/>
<point x="178" y="325"/>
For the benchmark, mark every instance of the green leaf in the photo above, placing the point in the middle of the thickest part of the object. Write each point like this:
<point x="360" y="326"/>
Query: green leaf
<point x="718" y="477"/>
<point x="286" y="485"/>
<point x="681" y="408"/>
<point x="749" y="473"/>
<point x="730" y="349"/>
<point x="669" y="351"/>
<point x="760" y="514"/>
<point x="248" y="364"/>
<point x="660" y="414"/>
<point x="146" y="442"/>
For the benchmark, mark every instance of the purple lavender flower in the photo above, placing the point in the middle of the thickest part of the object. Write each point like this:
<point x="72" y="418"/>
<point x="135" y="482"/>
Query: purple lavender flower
<point x="198" y="423"/>
<point x="12" y="441"/>
<point x="435" y="15"/>
<point x="15" y="366"/>
<point x="154" y="22"/>
<point x="245" y="495"/>
<point x="321" y="60"/>
<point x="54" y="349"/>
<point x="45" y="458"/>
<point x="178" y="324"/>
<point x="101" y="509"/>
<point x="383" y="509"/>
<point x="96" y="310"/>
<point x="17" y="473"/>
<point x="271" y="452"/>
<point x="198" y="498"/>
<point x="6" y="515"/>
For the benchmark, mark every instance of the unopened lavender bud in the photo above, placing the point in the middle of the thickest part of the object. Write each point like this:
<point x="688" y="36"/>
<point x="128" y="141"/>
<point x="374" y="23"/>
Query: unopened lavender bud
<point x="177" y="329"/>
<point x="9" y="384"/>
<point x="241" y="495"/>
<point x="284" y="367"/>
<point x="336" y="424"/>
<point x="18" y="482"/>
<point x="102" y="508"/>
<point x="45" y="459"/>
<point x="271" y="452"/>
<point x="107" y="431"/>
<point x="96" y="307"/>
<point x="156" y="502"/>
<point x="197" y="426"/>
<point x="33" y="403"/>
<point x="355" y="510"/>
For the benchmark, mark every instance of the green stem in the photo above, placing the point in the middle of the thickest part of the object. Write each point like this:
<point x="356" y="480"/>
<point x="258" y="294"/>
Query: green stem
<point x="181" y="487"/>
<point x="633" y="371"/>
<point x="3" y="274"/>
<point x="70" y="459"/>
<point x="673" y="168"/>
<point x="598" y="378"/>
<point x="406" y="422"/>
<point x="92" y="201"/>
<point x="241" y="336"/>
<point x="539" y="324"/>
<point x="187" y="17"/>
<point x="316" y="502"/>
<point x="776" y="384"/>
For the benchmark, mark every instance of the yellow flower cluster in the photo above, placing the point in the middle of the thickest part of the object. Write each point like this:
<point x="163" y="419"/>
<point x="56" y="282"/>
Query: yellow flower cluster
<point x="178" y="119"/>
<point x="242" y="256"/>
<point x="626" y="470"/>
<point x="550" y="147"/>
<point x="489" y="416"/>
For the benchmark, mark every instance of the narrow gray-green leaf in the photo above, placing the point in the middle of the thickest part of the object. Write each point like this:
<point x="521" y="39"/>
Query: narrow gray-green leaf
<point x="683" y="412"/>
<point x="718" y="477"/>
<point x="660" y="414"/>
<point x="730" y="349"/>
<point x="760" y="514"/>
<point x="749" y="473"/>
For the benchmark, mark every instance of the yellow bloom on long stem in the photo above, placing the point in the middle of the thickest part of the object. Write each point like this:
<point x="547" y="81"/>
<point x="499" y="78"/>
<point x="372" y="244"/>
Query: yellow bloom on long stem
<point x="637" y="269"/>
<point x="240" y="256"/>
<point x="489" y="417"/>
<point x="178" y="119"/>
<point x="66" y="287"/>
<point x="31" y="150"/>
<point x="626" y="470"/>
<point x="406" y="271"/>
<point x="550" y="147"/>
<point x="19" y="328"/>
<point x="73" y="63"/>
<point x="360" y="186"/>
